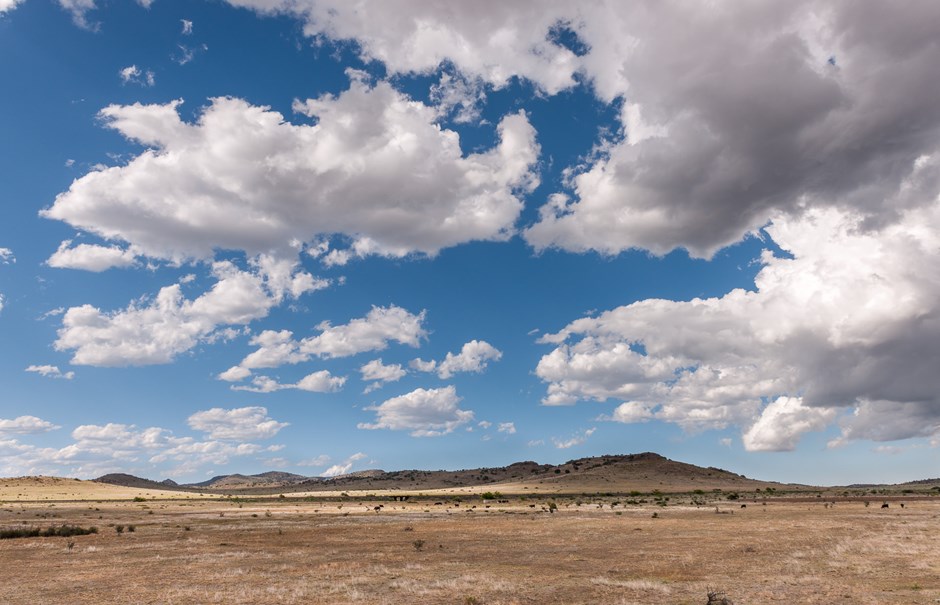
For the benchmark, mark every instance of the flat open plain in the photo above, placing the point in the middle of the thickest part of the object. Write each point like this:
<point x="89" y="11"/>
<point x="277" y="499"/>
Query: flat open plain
<point x="303" y="550"/>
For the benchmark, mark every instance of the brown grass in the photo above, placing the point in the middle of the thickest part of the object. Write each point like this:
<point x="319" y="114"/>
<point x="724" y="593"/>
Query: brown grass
<point x="31" y="489"/>
<point x="292" y="551"/>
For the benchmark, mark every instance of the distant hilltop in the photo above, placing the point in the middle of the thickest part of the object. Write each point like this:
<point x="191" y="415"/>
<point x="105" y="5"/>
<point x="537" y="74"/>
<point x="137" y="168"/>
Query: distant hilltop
<point x="645" y="472"/>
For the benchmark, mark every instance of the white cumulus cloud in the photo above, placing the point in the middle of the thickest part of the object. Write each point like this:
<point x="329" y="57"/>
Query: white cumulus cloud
<point x="375" y="168"/>
<point x="473" y="357"/>
<point x="343" y="467"/>
<point x="373" y="332"/>
<point x="316" y="382"/>
<point x="236" y="424"/>
<point x="424" y="412"/>
<point x="378" y="373"/>
<point x="90" y="257"/>
<point x="731" y="115"/>
<point x="845" y="327"/>
<point x="783" y="422"/>
<point x="370" y="333"/>
<point x="492" y="41"/>
<point x="155" y="331"/>
<point x="25" y="425"/>
<point x="116" y="447"/>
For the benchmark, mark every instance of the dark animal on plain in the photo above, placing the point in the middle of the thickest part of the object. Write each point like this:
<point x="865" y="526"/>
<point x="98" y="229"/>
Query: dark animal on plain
<point x="885" y="505"/>
<point x="718" y="598"/>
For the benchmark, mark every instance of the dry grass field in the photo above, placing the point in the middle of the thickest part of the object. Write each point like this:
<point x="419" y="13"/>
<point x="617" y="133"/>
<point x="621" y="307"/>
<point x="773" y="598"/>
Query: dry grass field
<point x="38" y="489"/>
<point x="300" y="550"/>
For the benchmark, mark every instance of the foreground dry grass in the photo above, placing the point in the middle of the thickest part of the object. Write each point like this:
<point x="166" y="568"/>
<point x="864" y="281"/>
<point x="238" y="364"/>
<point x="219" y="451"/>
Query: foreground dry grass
<point x="287" y="551"/>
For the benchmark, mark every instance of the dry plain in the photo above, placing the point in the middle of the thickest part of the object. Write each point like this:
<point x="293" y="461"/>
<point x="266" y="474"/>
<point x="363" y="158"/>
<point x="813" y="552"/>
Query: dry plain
<point x="462" y="549"/>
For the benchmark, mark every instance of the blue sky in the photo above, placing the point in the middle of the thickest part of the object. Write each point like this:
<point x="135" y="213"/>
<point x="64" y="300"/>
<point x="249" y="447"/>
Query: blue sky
<point x="319" y="236"/>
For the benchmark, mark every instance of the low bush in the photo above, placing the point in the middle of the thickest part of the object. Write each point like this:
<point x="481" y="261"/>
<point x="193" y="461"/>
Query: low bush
<point x="35" y="532"/>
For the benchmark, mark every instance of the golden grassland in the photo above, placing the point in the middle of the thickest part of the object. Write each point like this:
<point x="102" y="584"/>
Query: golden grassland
<point x="32" y="489"/>
<point x="466" y="550"/>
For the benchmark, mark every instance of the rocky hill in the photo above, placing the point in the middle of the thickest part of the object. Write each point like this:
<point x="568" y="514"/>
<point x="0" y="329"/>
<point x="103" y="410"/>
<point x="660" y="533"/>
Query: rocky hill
<point x="644" y="472"/>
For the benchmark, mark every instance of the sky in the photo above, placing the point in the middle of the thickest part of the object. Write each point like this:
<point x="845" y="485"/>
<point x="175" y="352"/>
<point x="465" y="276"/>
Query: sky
<point x="323" y="236"/>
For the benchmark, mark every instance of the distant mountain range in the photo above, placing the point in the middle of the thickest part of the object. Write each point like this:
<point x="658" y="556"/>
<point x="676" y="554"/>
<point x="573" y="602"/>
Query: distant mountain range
<point x="613" y="473"/>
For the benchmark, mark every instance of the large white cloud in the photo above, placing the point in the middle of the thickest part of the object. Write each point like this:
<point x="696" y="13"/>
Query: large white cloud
<point x="375" y="167"/>
<point x="241" y="424"/>
<point x="849" y="322"/>
<point x="735" y="114"/>
<point x="424" y="412"/>
<point x="731" y="114"/>
<point x="155" y="331"/>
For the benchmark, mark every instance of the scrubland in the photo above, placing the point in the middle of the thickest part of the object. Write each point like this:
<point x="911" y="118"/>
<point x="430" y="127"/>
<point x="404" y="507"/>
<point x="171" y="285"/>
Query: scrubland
<point x="466" y="550"/>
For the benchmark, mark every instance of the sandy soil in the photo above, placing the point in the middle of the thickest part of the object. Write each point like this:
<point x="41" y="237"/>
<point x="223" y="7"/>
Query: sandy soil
<point x="313" y="551"/>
